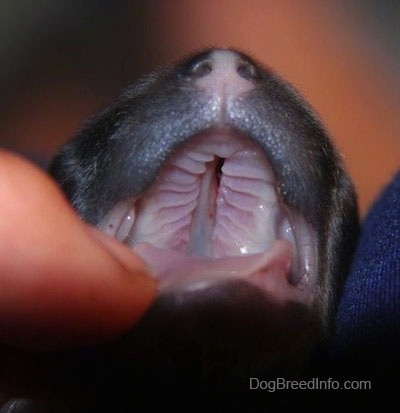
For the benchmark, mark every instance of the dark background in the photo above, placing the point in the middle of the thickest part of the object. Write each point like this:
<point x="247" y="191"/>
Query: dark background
<point x="61" y="60"/>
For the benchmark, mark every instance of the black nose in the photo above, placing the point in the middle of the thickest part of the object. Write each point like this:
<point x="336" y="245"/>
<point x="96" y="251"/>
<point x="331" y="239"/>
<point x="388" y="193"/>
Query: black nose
<point x="204" y="63"/>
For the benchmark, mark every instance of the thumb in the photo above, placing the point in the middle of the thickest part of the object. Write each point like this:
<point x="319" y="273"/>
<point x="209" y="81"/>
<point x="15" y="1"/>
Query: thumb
<point x="62" y="283"/>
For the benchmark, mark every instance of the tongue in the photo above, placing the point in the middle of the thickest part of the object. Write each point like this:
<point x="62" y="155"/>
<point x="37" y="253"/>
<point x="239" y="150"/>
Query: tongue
<point x="177" y="270"/>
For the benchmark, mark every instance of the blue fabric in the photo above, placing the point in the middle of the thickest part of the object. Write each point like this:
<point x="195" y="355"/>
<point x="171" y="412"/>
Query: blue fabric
<point x="367" y="331"/>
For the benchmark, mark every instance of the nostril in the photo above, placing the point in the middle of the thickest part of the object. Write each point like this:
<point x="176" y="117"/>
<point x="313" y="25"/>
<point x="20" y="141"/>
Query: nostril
<point x="202" y="69"/>
<point x="198" y="67"/>
<point x="248" y="71"/>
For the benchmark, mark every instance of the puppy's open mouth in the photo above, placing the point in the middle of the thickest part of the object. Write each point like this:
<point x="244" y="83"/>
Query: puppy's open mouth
<point x="215" y="212"/>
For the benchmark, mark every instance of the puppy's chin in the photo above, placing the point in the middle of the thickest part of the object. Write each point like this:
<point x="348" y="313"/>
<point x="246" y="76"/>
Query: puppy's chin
<point x="191" y="343"/>
<point x="213" y="339"/>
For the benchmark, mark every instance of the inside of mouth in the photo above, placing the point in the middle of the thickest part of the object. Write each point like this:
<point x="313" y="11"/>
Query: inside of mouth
<point x="216" y="198"/>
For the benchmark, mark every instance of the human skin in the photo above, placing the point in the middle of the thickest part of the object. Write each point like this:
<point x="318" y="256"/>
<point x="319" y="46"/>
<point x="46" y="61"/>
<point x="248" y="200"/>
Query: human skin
<point x="62" y="283"/>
